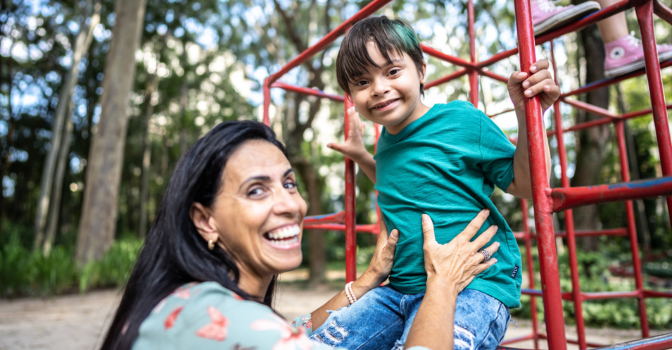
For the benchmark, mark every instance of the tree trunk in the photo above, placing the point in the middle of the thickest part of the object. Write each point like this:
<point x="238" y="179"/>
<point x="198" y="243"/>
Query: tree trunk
<point x="105" y="161"/>
<point x="152" y="85"/>
<point x="591" y="143"/>
<point x="55" y="207"/>
<point x="81" y="46"/>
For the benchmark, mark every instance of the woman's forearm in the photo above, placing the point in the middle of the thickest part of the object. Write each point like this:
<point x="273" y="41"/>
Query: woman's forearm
<point x="361" y="286"/>
<point x="436" y="313"/>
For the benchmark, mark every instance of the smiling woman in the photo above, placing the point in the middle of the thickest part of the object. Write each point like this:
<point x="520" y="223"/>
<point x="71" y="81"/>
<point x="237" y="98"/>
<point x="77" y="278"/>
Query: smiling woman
<point x="230" y="221"/>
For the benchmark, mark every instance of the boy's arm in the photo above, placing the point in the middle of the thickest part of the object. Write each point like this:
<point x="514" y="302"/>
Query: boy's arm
<point x="353" y="147"/>
<point x="521" y="87"/>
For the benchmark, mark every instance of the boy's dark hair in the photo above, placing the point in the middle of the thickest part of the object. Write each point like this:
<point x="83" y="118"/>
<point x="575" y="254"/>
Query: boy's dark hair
<point x="390" y="36"/>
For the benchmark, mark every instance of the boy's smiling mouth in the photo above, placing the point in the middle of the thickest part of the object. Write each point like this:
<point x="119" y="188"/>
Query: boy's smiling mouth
<point x="385" y="104"/>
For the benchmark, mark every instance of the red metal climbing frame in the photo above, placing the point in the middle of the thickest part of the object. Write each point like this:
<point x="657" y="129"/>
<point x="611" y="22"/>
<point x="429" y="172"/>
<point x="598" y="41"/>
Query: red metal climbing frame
<point x="546" y="200"/>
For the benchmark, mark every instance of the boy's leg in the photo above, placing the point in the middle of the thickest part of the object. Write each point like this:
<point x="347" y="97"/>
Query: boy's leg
<point x="373" y="322"/>
<point x="480" y="321"/>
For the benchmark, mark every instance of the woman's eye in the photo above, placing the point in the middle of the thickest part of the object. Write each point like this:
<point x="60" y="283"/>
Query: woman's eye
<point x="255" y="192"/>
<point x="290" y="185"/>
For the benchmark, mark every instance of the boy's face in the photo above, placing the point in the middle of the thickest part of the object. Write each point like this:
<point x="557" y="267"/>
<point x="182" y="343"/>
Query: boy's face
<point x="389" y="95"/>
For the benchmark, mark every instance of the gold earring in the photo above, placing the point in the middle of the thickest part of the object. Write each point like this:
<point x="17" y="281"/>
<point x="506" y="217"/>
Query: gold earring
<point x="211" y="244"/>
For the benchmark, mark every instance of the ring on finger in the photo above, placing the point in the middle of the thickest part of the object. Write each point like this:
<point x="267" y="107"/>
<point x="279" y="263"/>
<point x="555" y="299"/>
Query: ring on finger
<point x="486" y="254"/>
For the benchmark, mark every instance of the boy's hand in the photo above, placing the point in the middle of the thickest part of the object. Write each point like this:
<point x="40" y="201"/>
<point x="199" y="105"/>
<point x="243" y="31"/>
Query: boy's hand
<point x="539" y="83"/>
<point x="353" y="147"/>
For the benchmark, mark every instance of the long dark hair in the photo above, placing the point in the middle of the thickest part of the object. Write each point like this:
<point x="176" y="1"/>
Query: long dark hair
<point x="174" y="253"/>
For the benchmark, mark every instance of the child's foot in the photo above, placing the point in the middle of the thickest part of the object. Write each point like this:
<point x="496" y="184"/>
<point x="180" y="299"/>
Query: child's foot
<point x="547" y="16"/>
<point x="625" y="55"/>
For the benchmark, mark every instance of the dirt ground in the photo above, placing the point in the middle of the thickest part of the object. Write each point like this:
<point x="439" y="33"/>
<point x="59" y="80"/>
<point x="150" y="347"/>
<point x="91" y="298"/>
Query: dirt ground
<point x="77" y="322"/>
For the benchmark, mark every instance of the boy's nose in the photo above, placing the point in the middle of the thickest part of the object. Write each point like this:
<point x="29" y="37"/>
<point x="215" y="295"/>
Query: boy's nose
<point x="380" y="87"/>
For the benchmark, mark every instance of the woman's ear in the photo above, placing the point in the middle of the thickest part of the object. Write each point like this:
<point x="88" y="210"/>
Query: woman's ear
<point x="204" y="222"/>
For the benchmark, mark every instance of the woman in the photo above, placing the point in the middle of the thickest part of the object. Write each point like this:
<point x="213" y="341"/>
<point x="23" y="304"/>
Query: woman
<point x="230" y="221"/>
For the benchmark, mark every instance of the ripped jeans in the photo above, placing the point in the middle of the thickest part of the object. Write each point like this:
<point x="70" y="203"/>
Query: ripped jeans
<point x="382" y="319"/>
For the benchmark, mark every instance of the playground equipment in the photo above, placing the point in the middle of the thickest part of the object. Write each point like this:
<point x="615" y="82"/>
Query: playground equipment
<point x="546" y="200"/>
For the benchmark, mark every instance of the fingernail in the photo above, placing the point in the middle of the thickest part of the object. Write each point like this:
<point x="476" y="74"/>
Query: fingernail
<point x="493" y="259"/>
<point x="394" y="234"/>
<point x="533" y="68"/>
<point x="526" y="85"/>
<point x="496" y="228"/>
<point x="425" y="218"/>
<point x="497" y="243"/>
<point x="486" y="211"/>
<point x="528" y="92"/>
<point x="521" y="75"/>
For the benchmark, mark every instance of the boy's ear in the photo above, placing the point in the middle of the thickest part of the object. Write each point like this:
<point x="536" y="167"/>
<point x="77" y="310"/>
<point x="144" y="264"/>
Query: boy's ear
<point x="423" y="76"/>
<point x="204" y="222"/>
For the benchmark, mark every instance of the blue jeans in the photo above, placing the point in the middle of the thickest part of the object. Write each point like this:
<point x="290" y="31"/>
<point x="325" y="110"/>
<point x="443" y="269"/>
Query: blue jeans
<point x="382" y="319"/>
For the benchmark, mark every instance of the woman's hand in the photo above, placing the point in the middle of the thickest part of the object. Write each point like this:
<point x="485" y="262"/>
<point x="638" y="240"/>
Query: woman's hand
<point x="455" y="264"/>
<point x="353" y="147"/>
<point x="522" y="85"/>
<point x="383" y="257"/>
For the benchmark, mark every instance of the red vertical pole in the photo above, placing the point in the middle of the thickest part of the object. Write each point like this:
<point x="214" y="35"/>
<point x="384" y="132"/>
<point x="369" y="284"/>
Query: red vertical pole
<point x="644" y="11"/>
<point x="632" y="232"/>
<point x="548" y="259"/>
<point x="530" y="272"/>
<point x="569" y="217"/>
<point x="350" y="234"/>
<point x="473" y="74"/>
<point x="267" y="102"/>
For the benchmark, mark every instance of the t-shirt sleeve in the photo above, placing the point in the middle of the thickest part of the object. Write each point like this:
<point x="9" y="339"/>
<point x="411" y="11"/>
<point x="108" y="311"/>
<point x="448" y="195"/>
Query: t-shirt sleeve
<point x="496" y="153"/>
<point x="211" y="317"/>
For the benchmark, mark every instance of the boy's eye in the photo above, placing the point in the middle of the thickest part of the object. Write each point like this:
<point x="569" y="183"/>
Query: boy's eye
<point x="394" y="71"/>
<point x="361" y="83"/>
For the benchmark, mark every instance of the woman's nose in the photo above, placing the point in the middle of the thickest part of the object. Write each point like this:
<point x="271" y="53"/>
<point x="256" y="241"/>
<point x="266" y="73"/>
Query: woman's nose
<point x="287" y="203"/>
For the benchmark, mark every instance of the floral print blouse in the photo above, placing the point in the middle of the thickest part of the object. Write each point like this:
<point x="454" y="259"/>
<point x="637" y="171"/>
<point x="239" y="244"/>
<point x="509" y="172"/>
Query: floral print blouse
<point x="209" y="316"/>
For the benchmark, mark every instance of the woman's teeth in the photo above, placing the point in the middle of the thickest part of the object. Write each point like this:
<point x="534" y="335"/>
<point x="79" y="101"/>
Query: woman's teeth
<point x="286" y="235"/>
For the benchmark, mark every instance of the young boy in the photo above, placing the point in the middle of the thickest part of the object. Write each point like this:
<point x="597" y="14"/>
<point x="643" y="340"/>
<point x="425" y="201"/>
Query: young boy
<point x="443" y="161"/>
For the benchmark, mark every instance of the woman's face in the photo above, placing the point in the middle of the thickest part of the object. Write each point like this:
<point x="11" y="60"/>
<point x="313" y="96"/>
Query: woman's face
<point x="259" y="212"/>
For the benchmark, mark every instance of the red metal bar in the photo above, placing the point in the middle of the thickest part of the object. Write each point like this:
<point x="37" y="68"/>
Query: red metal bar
<point x="521" y="339"/>
<point x="609" y="295"/>
<point x="602" y="121"/>
<point x="473" y="75"/>
<point x="306" y="91"/>
<point x="590" y="108"/>
<point x="569" y="217"/>
<point x="530" y="272"/>
<point x="267" y="102"/>
<point x="367" y="11"/>
<point x="498" y="57"/>
<point x="661" y="342"/>
<point x="610" y="81"/>
<point x="458" y="73"/>
<point x="657" y="294"/>
<point x="340" y="227"/>
<point x="565" y="198"/>
<point x="550" y="277"/>
<point x="493" y="75"/>
<point x="500" y="113"/>
<point x="644" y="11"/>
<point x="581" y="233"/>
<point x="336" y="218"/>
<point x="632" y="231"/>
<point x="350" y="234"/>
<point x="662" y="11"/>
<point x="444" y="57"/>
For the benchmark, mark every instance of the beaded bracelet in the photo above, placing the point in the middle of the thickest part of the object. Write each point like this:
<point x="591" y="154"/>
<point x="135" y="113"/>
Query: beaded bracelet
<point x="349" y="293"/>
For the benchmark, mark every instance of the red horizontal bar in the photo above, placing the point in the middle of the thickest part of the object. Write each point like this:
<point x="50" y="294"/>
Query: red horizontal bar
<point x="448" y="58"/>
<point x="519" y="339"/>
<point x="609" y="295"/>
<point x="502" y="112"/>
<point x="661" y="342"/>
<point x="336" y="218"/>
<point x="307" y="91"/>
<point x="610" y="81"/>
<point x="496" y="58"/>
<point x="373" y="229"/>
<point x="367" y="11"/>
<point x="590" y="108"/>
<point x="458" y="73"/>
<point x="657" y="294"/>
<point x="602" y="121"/>
<point x="581" y="233"/>
<point x="537" y="293"/>
<point x="493" y="75"/>
<point x="566" y="198"/>
<point x="592" y="345"/>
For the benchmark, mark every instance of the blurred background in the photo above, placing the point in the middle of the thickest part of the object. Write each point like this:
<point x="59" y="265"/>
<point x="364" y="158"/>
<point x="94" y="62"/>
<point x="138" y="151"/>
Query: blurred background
<point x="99" y="98"/>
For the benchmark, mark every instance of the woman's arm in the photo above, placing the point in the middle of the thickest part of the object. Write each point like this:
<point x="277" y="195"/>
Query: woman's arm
<point x="377" y="272"/>
<point x="450" y="268"/>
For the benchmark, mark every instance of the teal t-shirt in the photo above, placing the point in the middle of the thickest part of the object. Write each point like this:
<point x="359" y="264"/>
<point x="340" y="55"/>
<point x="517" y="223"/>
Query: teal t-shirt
<point x="446" y="164"/>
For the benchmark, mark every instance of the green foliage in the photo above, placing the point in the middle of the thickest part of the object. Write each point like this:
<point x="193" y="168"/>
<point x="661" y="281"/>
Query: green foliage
<point x="25" y="273"/>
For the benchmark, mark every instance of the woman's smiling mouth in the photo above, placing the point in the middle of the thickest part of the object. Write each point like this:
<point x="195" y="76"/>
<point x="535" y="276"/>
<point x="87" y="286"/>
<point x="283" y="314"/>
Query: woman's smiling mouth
<point x="285" y="237"/>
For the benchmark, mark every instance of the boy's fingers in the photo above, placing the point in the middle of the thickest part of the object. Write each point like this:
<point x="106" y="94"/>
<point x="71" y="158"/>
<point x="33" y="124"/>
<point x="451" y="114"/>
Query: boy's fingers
<point x="428" y="230"/>
<point x="517" y="77"/>
<point x="539" y="65"/>
<point x="537" y="78"/>
<point x="336" y="147"/>
<point x="474" y="225"/>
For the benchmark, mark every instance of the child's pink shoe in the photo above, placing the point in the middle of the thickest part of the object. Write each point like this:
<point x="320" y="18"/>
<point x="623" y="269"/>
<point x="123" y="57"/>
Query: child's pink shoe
<point x="625" y="55"/>
<point x="547" y="16"/>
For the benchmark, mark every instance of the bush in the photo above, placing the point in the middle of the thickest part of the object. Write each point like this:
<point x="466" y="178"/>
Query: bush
<point x="24" y="273"/>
